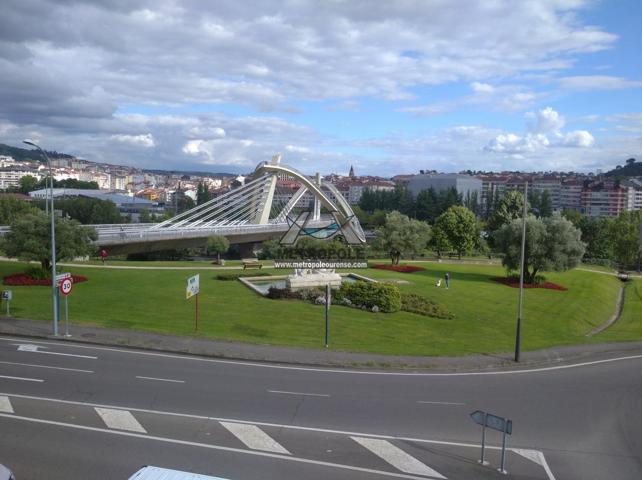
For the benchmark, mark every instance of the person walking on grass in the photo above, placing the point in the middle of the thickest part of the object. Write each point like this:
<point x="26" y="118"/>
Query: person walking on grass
<point x="447" y="277"/>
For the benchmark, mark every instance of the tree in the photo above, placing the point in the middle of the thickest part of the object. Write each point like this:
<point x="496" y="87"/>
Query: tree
<point x="509" y="207"/>
<point x="428" y="207"/>
<point x="30" y="239"/>
<point x="202" y="194"/>
<point x="89" y="211"/>
<point x="625" y="234"/>
<point x="596" y="233"/>
<point x="11" y="209"/>
<point x="459" y="226"/>
<point x="401" y="235"/>
<point x="551" y="244"/>
<point x="28" y="183"/>
<point x="144" y="216"/>
<point x="218" y="244"/>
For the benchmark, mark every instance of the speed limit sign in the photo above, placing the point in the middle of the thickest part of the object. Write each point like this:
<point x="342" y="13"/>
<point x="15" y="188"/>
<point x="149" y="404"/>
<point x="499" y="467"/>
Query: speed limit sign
<point x="66" y="286"/>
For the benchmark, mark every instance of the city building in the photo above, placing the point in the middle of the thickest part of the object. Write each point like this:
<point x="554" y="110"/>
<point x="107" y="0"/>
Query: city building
<point x="604" y="199"/>
<point x="464" y="184"/>
<point x="10" y="177"/>
<point x="571" y="195"/>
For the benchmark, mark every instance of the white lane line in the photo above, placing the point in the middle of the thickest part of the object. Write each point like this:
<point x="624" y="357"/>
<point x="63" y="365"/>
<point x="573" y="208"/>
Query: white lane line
<point x="299" y="393"/>
<point x="214" y="447"/>
<point x="537" y="457"/>
<point x="344" y="371"/>
<point x="5" y="405"/>
<point x="440" y="403"/>
<point x="254" y="437"/>
<point x="29" y="347"/>
<point x="22" y="378"/>
<point x="120" y="419"/>
<point x="160" y="379"/>
<point x="397" y="457"/>
<point x="47" y="366"/>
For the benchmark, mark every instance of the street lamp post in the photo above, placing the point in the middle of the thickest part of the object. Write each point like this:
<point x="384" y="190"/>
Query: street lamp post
<point x="54" y="287"/>
<point x="518" y="336"/>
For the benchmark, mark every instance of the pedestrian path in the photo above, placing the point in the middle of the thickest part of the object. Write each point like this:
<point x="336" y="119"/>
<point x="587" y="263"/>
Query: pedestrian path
<point x="381" y="456"/>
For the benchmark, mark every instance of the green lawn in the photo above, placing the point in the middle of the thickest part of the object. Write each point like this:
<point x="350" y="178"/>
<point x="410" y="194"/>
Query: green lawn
<point x="485" y="311"/>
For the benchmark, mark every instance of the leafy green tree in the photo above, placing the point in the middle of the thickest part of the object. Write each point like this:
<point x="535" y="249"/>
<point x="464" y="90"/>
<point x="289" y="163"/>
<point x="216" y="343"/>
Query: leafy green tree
<point x="439" y="242"/>
<point x="30" y="239"/>
<point x="270" y="249"/>
<point x="428" y="205"/>
<point x="185" y="203"/>
<point x="552" y="244"/>
<point x="202" y="194"/>
<point x="11" y="208"/>
<point x="401" y="234"/>
<point x="89" y="211"/>
<point x="507" y="208"/>
<point x="596" y="233"/>
<point x="625" y="234"/>
<point x="459" y="226"/>
<point x="28" y="183"/>
<point x="144" y="216"/>
<point x="218" y="244"/>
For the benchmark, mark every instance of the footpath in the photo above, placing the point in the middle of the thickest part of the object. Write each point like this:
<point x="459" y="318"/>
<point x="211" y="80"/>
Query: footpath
<point x="36" y="329"/>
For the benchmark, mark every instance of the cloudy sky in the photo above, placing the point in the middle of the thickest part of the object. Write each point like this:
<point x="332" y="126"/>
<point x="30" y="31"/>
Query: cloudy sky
<point x="389" y="87"/>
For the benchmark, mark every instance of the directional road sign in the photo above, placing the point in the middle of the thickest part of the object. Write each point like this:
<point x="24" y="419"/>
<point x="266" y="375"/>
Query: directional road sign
<point x="61" y="276"/>
<point x="492" y="421"/>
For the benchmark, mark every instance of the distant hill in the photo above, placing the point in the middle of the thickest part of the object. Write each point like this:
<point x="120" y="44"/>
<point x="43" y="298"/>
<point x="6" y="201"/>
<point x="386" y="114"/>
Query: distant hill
<point x="631" y="168"/>
<point x="25" y="155"/>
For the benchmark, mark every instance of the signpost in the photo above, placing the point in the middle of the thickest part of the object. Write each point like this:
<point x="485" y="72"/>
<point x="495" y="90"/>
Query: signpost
<point x="327" y="312"/>
<point x="496" y="423"/>
<point x="65" y="286"/>
<point x="7" y="295"/>
<point x="193" y="289"/>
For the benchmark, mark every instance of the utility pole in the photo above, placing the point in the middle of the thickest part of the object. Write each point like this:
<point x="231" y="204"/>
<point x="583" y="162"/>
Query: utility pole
<point x="518" y="336"/>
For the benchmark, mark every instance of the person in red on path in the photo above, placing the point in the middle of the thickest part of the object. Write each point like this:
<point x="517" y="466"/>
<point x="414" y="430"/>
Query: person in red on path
<point x="103" y="255"/>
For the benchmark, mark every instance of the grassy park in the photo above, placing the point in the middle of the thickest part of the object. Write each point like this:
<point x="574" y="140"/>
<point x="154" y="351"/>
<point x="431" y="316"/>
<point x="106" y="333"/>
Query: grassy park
<point x="154" y="300"/>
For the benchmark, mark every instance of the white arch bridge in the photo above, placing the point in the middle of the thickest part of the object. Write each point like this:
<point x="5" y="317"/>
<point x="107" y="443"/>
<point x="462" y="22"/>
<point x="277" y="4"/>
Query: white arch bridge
<point x="257" y="211"/>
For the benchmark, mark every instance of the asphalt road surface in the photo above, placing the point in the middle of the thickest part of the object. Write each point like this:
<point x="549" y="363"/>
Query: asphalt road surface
<point x="72" y="411"/>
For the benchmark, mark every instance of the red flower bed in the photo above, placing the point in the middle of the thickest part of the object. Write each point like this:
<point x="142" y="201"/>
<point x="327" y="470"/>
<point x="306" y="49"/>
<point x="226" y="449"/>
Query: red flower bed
<point x="398" y="268"/>
<point x="514" y="282"/>
<point x="22" y="279"/>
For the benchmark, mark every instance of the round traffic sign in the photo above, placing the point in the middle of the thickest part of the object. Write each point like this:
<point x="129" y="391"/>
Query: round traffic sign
<point x="66" y="286"/>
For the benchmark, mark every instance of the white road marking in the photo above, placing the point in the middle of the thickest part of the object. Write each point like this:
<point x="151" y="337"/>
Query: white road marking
<point x="344" y="371"/>
<point x="254" y="437"/>
<point x="47" y="366"/>
<point x="160" y="379"/>
<point x="440" y="403"/>
<point x="537" y="457"/>
<point x="22" y="378"/>
<point x="214" y="447"/>
<point x="265" y="424"/>
<point x="5" y="405"/>
<point x="397" y="457"/>
<point x="28" y="347"/>
<point x="119" y="419"/>
<point x="299" y="393"/>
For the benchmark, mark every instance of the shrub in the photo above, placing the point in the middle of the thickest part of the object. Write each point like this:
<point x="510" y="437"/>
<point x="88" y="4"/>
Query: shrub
<point x="399" y="268"/>
<point x="38" y="273"/>
<point x="282" y="293"/>
<point x="367" y="294"/>
<point x="413" y="303"/>
<point x="236" y="275"/>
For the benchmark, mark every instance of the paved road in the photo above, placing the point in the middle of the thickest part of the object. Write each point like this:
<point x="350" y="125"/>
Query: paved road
<point x="77" y="411"/>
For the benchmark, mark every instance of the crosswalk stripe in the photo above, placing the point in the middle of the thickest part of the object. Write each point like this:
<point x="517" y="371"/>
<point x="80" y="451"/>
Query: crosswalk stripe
<point x="5" y="405"/>
<point x="253" y="437"/>
<point x="397" y="457"/>
<point x="119" y="419"/>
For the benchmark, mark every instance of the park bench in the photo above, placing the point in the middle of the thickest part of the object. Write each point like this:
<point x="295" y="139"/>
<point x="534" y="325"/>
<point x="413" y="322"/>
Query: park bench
<point x="251" y="263"/>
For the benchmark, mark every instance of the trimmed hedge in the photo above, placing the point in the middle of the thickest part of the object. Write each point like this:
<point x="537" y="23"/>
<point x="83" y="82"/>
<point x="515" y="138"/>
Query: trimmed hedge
<point x="413" y="303"/>
<point x="236" y="275"/>
<point x="368" y="294"/>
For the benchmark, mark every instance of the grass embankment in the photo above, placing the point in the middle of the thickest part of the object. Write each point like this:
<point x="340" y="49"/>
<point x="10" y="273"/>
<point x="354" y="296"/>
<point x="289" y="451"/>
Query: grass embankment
<point x="485" y="311"/>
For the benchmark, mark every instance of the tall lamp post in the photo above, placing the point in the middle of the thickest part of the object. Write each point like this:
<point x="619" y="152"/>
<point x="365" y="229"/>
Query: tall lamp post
<point x="518" y="336"/>
<point x="54" y="287"/>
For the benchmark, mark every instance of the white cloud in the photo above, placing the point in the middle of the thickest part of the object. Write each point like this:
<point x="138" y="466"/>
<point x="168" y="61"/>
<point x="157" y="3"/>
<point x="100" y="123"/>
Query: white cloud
<point x="511" y="143"/>
<point x="479" y="87"/>
<point x="545" y="121"/>
<point x="598" y="82"/>
<point x="578" y="138"/>
<point x="145" y="141"/>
